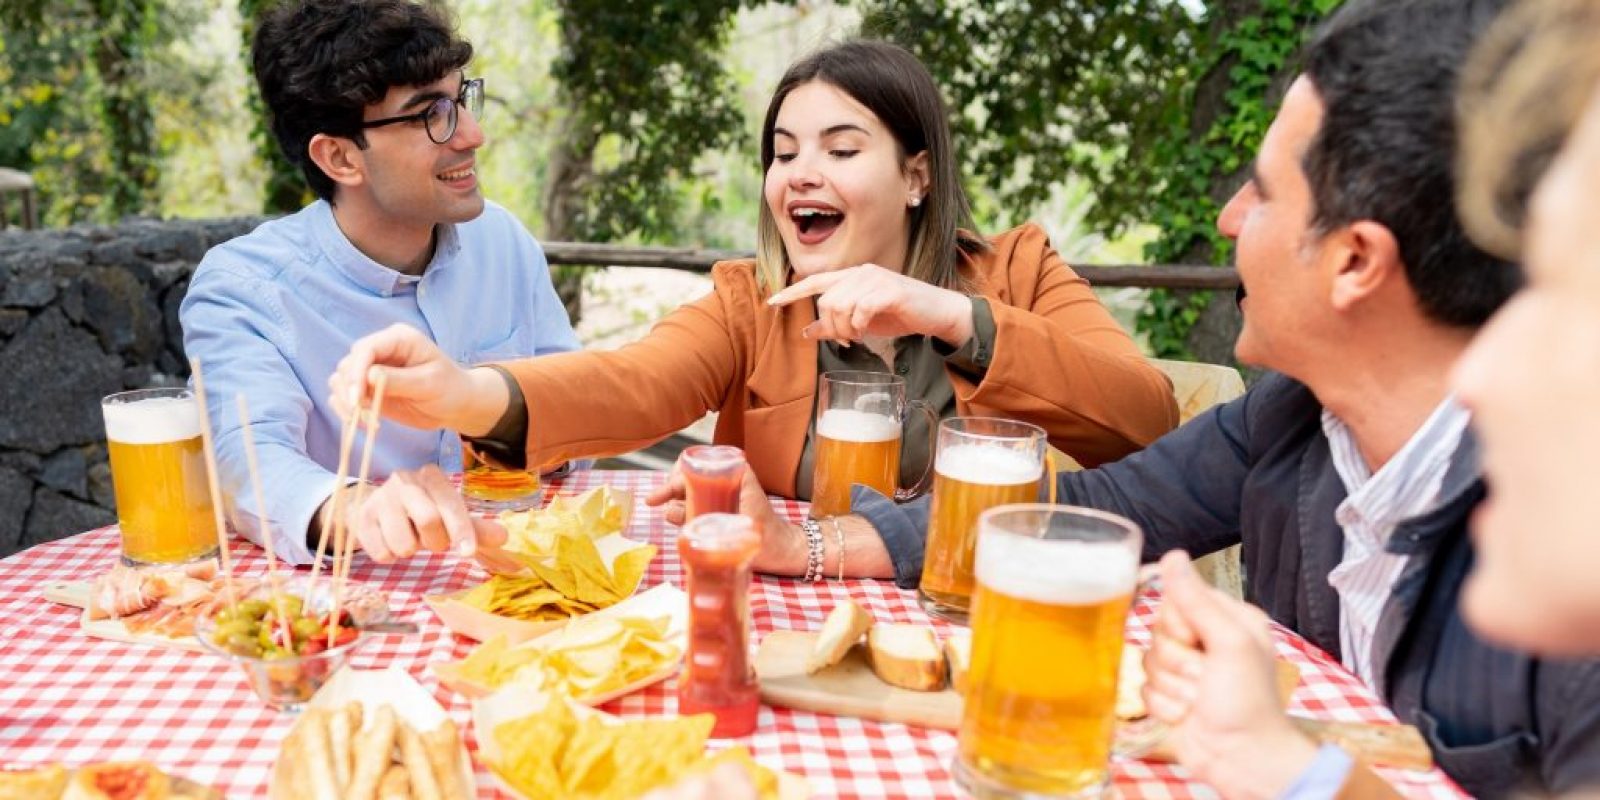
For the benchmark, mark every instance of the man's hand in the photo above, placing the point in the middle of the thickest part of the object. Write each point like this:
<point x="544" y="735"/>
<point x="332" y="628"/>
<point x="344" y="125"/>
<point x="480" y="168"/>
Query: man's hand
<point x="415" y="510"/>
<point x="782" y="547"/>
<point x="869" y="300"/>
<point x="1209" y="674"/>
<point x="423" y="387"/>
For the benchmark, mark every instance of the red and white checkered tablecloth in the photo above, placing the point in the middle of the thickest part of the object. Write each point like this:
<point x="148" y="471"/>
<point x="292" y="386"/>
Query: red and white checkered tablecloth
<point x="68" y="698"/>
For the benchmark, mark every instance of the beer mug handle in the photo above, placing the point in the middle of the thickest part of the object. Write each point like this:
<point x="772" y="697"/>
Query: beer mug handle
<point x="921" y="486"/>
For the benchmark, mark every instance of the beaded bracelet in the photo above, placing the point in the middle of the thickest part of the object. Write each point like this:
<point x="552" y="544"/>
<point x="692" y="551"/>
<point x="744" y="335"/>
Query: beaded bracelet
<point x="814" y="546"/>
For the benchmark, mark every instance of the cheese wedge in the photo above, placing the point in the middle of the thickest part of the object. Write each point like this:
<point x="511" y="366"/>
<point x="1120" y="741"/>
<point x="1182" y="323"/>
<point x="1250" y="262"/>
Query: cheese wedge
<point x="845" y="625"/>
<point x="907" y="656"/>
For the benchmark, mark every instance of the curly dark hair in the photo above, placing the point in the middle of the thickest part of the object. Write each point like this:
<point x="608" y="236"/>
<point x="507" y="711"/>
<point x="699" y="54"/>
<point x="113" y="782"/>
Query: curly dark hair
<point x="319" y="63"/>
<point x="1387" y="72"/>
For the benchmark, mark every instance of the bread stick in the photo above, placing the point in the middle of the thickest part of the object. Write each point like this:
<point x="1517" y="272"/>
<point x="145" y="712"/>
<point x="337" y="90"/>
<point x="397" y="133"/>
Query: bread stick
<point x="341" y="747"/>
<point x="396" y="784"/>
<point x="412" y="753"/>
<point x="444" y="754"/>
<point x="315" y="752"/>
<point x="373" y="749"/>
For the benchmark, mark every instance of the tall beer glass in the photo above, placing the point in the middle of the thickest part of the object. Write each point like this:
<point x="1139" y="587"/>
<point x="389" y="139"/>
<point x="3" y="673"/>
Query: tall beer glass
<point x="859" y="418"/>
<point x="1054" y="586"/>
<point x="982" y="462"/>
<point x="158" y="473"/>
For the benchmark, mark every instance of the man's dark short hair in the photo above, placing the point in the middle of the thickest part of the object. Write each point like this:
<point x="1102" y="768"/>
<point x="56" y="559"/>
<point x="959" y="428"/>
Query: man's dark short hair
<point x="319" y="63"/>
<point x="1386" y="71"/>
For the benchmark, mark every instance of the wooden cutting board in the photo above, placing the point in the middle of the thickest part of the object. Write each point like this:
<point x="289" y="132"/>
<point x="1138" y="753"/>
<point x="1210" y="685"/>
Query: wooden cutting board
<point x="848" y="688"/>
<point x="77" y="593"/>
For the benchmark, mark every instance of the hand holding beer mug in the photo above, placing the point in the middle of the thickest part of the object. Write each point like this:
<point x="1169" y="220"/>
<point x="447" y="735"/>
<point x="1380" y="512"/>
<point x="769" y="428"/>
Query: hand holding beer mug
<point x="859" y="420"/>
<point x="981" y="463"/>
<point x="158" y="473"/>
<point x="1054" y="584"/>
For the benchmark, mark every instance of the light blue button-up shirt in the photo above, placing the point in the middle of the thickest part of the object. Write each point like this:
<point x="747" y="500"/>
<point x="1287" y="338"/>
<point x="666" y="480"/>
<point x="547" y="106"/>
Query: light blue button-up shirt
<point x="270" y="314"/>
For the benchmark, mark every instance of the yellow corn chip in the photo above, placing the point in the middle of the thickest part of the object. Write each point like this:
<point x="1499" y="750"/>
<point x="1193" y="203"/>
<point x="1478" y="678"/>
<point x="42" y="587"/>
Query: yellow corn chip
<point x="552" y="753"/>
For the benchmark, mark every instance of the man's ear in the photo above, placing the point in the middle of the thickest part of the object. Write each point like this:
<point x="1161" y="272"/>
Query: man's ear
<point x="917" y="178"/>
<point x="339" y="158"/>
<point x="1365" y="259"/>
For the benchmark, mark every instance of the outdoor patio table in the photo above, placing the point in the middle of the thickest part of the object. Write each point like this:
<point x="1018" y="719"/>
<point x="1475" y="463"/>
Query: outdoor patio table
<point x="68" y="698"/>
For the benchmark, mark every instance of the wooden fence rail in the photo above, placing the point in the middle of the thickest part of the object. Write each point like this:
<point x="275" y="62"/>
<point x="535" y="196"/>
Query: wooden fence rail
<point x="691" y="259"/>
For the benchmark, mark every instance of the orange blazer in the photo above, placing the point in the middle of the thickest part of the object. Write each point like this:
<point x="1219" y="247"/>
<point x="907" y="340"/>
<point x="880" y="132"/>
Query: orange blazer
<point x="1059" y="362"/>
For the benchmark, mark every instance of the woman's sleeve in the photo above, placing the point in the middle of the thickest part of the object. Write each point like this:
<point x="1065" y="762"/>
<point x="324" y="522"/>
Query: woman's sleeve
<point x="599" y="403"/>
<point x="1061" y="362"/>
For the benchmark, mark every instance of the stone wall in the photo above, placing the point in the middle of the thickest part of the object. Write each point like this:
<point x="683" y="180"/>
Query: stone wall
<point x="84" y="312"/>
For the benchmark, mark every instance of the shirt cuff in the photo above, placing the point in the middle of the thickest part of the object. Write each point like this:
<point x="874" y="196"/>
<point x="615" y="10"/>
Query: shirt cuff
<point x="1324" y="778"/>
<point x="292" y="520"/>
<point x="973" y="357"/>
<point x="506" y="445"/>
<point x="901" y="527"/>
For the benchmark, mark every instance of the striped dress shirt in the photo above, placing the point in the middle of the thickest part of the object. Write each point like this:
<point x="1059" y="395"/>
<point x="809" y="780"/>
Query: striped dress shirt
<point x="1405" y="487"/>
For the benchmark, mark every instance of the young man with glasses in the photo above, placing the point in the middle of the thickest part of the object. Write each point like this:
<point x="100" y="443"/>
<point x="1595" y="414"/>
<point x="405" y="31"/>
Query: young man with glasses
<point x="370" y="99"/>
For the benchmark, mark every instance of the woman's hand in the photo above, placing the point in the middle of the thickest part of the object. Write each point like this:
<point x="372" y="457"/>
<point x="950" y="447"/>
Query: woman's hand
<point x="1209" y="674"/>
<point x="783" y="550"/>
<point x="423" y="387"/>
<point x="869" y="300"/>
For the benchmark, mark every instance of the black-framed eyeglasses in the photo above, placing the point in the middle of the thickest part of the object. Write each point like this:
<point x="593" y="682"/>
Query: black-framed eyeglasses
<point x="441" y="115"/>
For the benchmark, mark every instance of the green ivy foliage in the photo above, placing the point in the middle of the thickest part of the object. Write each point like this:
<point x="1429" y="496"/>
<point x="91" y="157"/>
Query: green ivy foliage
<point x="648" y="91"/>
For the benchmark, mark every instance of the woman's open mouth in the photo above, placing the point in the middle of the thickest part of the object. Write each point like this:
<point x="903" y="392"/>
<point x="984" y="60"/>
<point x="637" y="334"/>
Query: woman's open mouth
<point x="814" y="225"/>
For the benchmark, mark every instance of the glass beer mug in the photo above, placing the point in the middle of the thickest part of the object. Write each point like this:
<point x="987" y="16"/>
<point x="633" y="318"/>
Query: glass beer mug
<point x="981" y="463"/>
<point x="858" y="429"/>
<point x="1054" y="584"/>
<point x="158" y="473"/>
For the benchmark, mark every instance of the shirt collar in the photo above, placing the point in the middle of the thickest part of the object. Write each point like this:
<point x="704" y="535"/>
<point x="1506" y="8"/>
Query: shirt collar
<point x="369" y="274"/>
<point x="1409" y="483"/>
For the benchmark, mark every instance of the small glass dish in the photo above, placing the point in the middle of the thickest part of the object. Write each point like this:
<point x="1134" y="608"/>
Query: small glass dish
<point x="285" y="682"/>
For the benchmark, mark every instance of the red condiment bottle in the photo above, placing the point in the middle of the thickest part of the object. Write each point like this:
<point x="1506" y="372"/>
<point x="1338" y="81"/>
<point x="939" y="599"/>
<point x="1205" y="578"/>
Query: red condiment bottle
<point x="712" y="476"/>
<point x="717" y="677"/>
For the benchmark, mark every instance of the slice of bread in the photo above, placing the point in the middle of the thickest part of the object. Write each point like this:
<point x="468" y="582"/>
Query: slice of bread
<point x="1130" y="684"/>
<point x="907" y="656"/>
<point x="958" y="655"/>
<point x="840" y="631"/>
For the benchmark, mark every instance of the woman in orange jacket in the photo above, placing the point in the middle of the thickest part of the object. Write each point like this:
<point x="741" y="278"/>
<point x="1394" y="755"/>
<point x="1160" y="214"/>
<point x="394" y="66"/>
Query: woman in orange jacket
<point x="865" y="261"/>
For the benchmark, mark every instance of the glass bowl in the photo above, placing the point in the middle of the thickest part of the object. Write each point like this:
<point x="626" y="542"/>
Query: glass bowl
<point x="284" y="682"/>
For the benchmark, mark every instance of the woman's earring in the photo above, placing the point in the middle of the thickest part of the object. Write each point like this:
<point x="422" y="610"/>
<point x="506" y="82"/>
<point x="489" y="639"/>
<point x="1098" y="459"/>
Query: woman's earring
<point x="916" y="201"/>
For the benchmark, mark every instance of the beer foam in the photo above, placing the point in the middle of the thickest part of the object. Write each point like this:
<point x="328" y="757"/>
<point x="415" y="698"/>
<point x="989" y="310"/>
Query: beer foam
<point x="152" y="421"/>
<point x="850" y="425"/>
<point x="988" y="466"/>
<point x="1056" y="572"/>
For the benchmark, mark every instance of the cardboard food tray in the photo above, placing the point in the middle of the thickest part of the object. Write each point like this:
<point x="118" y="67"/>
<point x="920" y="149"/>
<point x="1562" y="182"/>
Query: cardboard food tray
<point x="665" y="600"/>
<point x="373" y="688"/>
<point x="479" y="625"/>
<point x="517" y="701"/>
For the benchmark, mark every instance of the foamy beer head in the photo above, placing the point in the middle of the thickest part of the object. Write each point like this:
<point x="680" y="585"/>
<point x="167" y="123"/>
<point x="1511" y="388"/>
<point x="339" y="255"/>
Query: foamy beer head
<point x="1054" y="572"/>
<point x="988" y="466"/>
<point x="857" y="427"/>
<point x="152" y="420"/>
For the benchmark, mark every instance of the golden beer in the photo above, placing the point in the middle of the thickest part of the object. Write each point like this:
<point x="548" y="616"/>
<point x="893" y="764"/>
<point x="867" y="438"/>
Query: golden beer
<point x="158" y="474"/>
<point x="968" y="480"/>
<point x="487" y="487"/>
<point x="1047" y="633"/>
<point x="853" y="447"/>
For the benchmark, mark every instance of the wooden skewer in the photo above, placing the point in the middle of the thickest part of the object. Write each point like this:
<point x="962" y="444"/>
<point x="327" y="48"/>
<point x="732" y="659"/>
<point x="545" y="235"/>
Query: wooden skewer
<point x="334" y="519"/>
<point x="342" y="565"/>
<point x="208" y="446"/>
<point x="261" y="517"/>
